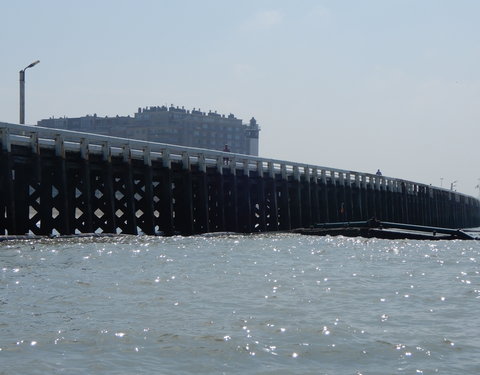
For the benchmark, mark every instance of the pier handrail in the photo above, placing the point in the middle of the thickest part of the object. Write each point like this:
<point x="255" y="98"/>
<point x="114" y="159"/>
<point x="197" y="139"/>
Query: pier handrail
<point x="38" y="137"/>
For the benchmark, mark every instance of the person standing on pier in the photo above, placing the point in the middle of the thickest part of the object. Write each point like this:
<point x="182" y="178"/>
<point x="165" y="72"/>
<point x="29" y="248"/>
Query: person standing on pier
<point x="226" y="161"/>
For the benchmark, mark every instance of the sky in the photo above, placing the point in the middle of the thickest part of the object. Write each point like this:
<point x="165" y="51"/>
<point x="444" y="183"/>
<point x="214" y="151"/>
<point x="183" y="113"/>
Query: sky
<point x="356" y="85"/>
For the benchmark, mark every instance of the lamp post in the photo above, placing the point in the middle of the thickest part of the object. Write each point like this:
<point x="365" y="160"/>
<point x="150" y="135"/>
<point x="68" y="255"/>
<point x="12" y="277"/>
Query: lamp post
<point x="22" y="91"/>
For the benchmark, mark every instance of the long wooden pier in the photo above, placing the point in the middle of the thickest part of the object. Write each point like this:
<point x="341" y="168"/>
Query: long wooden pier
<point x="62" y="182"/>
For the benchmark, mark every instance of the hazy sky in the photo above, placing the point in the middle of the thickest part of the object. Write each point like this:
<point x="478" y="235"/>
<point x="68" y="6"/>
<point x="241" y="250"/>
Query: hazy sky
<point x="357" y="85"/>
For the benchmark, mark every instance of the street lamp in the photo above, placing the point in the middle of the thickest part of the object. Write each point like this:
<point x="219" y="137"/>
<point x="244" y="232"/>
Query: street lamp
<point x="22" y="91"/>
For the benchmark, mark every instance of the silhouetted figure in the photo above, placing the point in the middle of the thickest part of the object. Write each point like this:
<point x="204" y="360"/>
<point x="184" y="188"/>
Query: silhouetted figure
<point x="378" y="172"/>
<point x="226" y="161"/>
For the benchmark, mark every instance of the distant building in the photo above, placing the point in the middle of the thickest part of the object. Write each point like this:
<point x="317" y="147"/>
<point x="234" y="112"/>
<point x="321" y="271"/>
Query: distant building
<point x="171" y="125"/>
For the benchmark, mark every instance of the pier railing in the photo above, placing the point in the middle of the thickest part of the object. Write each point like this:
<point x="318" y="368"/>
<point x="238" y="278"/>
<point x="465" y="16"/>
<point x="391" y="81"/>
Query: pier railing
<point x="61" y="141"/>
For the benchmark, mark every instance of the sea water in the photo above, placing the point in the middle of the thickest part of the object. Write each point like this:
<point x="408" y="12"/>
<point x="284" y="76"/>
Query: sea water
<point x="239" y="304"/>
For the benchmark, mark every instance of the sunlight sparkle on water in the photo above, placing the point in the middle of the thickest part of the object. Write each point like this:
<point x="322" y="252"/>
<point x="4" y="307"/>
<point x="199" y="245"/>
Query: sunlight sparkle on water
<point x="328" y="299"/>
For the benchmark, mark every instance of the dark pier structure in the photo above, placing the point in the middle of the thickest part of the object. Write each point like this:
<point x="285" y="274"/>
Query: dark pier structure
<point x="60" y="182"/>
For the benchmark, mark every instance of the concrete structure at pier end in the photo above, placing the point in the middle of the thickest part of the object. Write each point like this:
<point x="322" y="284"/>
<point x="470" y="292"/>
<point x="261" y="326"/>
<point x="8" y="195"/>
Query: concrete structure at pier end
<point x="172" y="125"/>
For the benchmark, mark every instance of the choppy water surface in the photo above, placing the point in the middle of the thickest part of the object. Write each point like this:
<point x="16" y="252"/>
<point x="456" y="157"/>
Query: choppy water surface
<point x="260" y="304"/>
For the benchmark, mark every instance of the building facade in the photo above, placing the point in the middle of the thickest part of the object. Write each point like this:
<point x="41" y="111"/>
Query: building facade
<point x="172" y="125"/>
